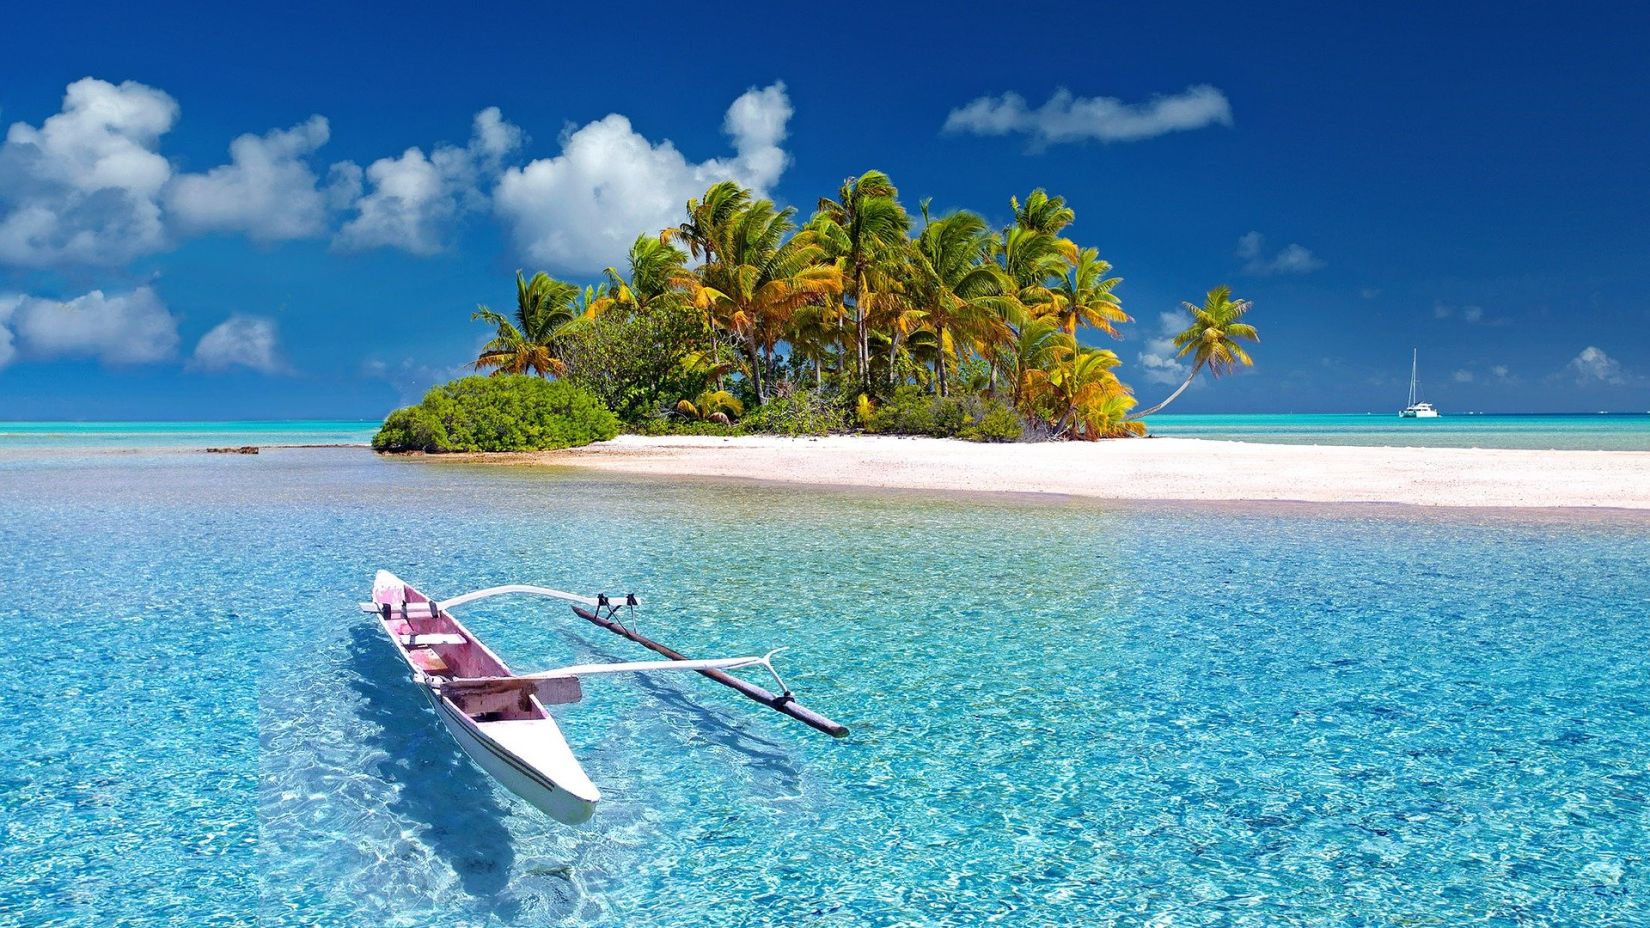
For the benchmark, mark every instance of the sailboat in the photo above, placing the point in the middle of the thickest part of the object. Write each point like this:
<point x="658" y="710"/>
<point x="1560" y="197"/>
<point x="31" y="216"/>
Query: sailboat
<point x="1417" y="408"/>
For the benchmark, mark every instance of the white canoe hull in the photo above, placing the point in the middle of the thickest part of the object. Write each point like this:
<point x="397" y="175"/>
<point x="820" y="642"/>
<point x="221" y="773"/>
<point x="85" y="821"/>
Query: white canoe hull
<point x="515" y="773"/>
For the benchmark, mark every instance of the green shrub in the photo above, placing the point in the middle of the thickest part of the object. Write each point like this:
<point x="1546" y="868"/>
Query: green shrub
<point x="999" y="422"/>
<point x="802" y="412"/>
<point x="411" y="428"/>
<point x="633" y="363"/>
<point x="674" y="426"/>
<point x="965" y="415"/>
<point x="506" y="413"/>
<point x="909" y="411"/>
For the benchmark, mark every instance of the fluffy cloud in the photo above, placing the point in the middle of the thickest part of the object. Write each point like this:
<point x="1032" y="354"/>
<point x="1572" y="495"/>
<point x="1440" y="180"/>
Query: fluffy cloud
<point x="1592" y="365"/>
<point x="84" y="187"/>
<point x="1158" y="361"/>
<point x="415" y="196"/>
<point x="267" y="190"/>
<point x="240" y="341"/>
<point x="8" y="349"/>
<point x="580" y="210"/>
<point x="1473" y="314"/>
<point x="120" y="328"/>
<point x="1292" y="259"/>
<point x="1067" y="118"/>
<point x="1463" y="376"/>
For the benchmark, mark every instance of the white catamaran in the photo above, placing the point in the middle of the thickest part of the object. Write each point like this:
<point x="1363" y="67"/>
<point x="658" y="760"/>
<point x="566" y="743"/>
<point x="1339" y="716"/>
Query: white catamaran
<point x="502" y="718"/>
<point x="1417" y="408"/>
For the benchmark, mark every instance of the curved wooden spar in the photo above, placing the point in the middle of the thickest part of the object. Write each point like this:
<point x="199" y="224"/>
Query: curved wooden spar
<point x="783" y="703"/>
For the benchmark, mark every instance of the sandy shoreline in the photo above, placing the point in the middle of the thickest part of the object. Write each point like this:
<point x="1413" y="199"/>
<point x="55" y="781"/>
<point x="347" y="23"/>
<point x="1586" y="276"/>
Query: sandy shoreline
<point x="1156" y="469"/>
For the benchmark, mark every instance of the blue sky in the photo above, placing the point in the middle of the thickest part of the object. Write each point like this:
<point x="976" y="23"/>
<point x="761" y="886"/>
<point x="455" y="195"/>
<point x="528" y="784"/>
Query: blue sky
<point x="1472" y="185"/>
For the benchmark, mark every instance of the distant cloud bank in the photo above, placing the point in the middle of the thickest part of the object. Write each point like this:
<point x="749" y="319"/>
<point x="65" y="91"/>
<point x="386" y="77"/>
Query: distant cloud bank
<point x="90" y="187"/>
<point x="1069" y="118"/>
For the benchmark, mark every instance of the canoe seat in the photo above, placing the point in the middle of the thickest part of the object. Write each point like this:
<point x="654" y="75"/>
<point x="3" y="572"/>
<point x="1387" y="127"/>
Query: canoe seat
<point x="429" y="638"/>
<point x="428" y="661"/>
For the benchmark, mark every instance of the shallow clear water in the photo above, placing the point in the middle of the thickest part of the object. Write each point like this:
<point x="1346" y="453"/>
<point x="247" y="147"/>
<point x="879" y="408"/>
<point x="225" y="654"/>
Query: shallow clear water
<point x="38" y="437"/>
<point x="1063" y="714"/>
<point x="1597" y="432"/>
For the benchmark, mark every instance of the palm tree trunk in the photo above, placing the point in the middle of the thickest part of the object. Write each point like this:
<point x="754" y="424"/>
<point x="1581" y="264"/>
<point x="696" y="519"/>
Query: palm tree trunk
<point x="1178" y="390"/>
<point x="755" y="357"/>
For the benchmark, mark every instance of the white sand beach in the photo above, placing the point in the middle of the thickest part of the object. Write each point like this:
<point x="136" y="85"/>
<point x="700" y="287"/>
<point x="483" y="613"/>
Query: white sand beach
<point x="1148" y="469"/>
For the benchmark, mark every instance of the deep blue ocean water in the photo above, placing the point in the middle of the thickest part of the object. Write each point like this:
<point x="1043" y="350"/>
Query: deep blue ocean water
<point x="1064" y="713"/>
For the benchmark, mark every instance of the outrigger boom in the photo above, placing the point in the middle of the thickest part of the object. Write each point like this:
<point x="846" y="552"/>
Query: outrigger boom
<point x="499" y="717"/>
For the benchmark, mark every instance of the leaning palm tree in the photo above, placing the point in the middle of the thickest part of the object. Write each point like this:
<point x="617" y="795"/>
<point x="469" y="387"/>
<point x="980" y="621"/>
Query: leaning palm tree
<point x="964" y="297"/>
<point x="1212" y="340"/>
<point x="1084" y="297"/>
<point x="529" y="343"/>
<point x="864" y="228"/>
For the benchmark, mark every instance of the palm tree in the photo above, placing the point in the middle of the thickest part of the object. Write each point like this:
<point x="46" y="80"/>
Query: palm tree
<point x="758" y="278"/>
<point x="1080" y="389"/>
<point x="1042" y="213"/>
<point x="1038" y="348"/>
<point x="708" y="219"/>
<point x="963" y="296"/>
<point x="530" y="343"/>
<point x="654" y="268"/>
<point x="1212" y="340"/>
<point x="1084" y="297"/>
<point x="863" y="228"/>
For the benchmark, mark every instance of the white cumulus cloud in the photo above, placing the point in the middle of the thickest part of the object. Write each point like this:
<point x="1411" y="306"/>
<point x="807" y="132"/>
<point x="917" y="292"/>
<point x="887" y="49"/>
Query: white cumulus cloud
<point x="1068" y="118"/>
<point x="267" y="190"/>
<point x="8" y="348"/>
<point x="240" y="341"/>
<point x="414" y="197"/>
<point x="1291" y="259"/>
<point x="1158" y="361"/>
<point x="1592" y="365"/>
<point x="118" y="328"/>
<point x="85" y="186"/>
<point x="580" y="210"/>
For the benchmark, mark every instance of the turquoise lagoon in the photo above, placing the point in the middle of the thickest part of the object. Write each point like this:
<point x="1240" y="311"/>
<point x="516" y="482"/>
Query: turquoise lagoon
<point x="47" y="437"/>
<point x="1574" y="432"/>
<point x="1063" y="713"/>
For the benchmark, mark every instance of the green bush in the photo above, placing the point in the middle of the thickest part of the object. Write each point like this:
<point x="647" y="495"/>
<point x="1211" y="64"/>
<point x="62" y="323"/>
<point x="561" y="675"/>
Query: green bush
<point x="909" y="411"/>
<point x="802" y="412"/>
<point x="674" y="426"/>
<point x="633" y="362"/>
<point x="506" y="413"/>
<point x="999" y="422"/>
<point x="966" y="415"/>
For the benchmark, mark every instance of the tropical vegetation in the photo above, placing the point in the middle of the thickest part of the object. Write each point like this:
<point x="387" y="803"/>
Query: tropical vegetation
<point x="747" y="316"/>
<point x="511" y="412"/>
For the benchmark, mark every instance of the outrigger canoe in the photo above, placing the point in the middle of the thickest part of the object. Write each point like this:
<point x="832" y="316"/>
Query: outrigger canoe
<point x="502" y="719"/>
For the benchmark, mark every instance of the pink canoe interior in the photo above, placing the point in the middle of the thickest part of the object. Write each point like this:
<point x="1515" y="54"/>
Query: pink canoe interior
<point x="456" y="654"/>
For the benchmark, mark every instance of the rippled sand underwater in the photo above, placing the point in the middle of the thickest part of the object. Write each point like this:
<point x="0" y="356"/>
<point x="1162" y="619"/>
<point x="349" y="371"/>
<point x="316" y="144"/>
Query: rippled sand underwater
<point x="1063" y="713"/>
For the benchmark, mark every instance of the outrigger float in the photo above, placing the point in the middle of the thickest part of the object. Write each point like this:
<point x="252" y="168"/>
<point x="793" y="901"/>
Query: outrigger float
<point x="500" y="717"/>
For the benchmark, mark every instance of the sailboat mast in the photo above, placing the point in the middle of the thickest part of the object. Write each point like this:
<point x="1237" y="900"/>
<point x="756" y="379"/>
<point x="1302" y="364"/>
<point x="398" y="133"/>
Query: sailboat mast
<point x="1414" y="361"/>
